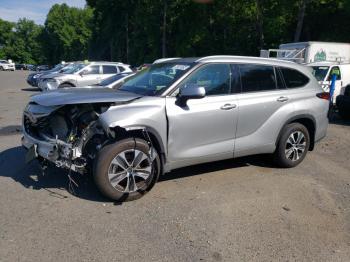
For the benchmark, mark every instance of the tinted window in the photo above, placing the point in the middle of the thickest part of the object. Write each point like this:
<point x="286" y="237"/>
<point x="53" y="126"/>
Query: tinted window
<point x="121" y="69"/>
<point x="214" y="78"/>
<point x="257" y="78"/>
<point x="107" y="69"/>
<point x="293" y="78"/>
<point x="93" y="70"/>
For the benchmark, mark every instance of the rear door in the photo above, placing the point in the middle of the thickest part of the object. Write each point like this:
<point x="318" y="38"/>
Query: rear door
<point x="204" y="130"/>
<point x="263" y="93"/>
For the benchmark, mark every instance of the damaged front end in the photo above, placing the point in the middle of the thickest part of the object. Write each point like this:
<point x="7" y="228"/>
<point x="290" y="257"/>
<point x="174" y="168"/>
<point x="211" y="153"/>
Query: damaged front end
<point x="67" y="135"/>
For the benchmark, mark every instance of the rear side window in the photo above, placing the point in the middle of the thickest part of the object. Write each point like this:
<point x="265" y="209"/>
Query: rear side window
<point x="107" y="69"/>
<point x="256" y="78"/>
<point x="293" y="78"/>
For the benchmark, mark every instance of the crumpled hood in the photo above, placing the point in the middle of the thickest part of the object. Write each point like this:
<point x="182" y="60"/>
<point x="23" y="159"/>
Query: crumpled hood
<point x="83" y="96"/>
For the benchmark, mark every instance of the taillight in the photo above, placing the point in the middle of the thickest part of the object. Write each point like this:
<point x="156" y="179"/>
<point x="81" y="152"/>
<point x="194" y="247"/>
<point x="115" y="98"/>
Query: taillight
<point x="323" y="95"/>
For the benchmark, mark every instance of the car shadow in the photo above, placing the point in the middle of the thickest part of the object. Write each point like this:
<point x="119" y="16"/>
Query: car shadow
<point x="10" y="130"/>
<point x="55" y="180"/>
<point x="31" y="89"/>
<point x="31" y="176"/>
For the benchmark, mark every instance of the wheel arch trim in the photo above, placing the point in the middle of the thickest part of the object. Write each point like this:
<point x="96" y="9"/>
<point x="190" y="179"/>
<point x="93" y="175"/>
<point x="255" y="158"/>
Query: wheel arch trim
<point x="295" y="119"/>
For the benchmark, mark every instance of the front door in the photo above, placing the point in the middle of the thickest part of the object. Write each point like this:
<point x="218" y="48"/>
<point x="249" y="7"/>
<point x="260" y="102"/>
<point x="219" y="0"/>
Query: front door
<point x="90" y="76"/>
<point x="204" y="130"/>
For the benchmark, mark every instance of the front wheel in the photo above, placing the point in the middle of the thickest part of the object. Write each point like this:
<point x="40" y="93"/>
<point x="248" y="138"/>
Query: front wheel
<point x="292" y="145"/>
<point x="127" y="169"/>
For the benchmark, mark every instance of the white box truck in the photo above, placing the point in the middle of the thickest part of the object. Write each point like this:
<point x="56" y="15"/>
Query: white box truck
<point x="309" y="52"/>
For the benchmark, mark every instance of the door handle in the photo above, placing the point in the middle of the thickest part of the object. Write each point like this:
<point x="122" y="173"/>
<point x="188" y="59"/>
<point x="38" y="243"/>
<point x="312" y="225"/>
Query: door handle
<point x="282" y="99"/>
<point x="228" y="106"/>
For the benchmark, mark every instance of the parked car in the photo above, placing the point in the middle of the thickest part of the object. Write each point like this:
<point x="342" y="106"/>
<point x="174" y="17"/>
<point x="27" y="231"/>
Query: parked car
<point x="42" y="68"/>
<point x="82" y="74"/>
<point x="343" y="103"/>
<point x="21" y="67"/>
<point x="33" y="78"/>
<point x="31" y="67"/>
<point x="6" y="66"/>
<point x="178" y="113"/>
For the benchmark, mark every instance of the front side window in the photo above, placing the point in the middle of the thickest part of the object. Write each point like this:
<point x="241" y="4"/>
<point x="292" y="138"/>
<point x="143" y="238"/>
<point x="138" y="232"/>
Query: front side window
<point x="109" y="69"/>
<point x="215" y="78"/>
<point x="92" y="70"/>
<point x="257" y="78"/>
<point x="293" y="78"/>
<point x="320" y="72"/>
<point x="155" y="79"/>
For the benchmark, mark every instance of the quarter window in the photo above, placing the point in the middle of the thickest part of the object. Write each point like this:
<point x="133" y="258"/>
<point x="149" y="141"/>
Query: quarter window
<point x="215" y="78"/>
<point x="293" y="78"/>
<point x="107" y="69"/>
<point x="121" y="69"/>
<point x="257" y="78"/>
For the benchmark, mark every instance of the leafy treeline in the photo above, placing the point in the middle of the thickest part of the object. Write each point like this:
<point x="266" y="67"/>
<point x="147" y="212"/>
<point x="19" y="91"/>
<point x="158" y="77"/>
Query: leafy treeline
<point x="138" y="31"/>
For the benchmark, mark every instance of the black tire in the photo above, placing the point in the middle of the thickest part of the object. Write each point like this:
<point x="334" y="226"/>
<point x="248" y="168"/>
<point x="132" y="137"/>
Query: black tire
<point x="280" y="156"/>
<point x="103" y="163"/>
<point x="65" y="85"/>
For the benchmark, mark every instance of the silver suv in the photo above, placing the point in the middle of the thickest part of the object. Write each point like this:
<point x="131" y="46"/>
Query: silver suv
<point x="178" y="113"/>
<point x="82" y="74"/>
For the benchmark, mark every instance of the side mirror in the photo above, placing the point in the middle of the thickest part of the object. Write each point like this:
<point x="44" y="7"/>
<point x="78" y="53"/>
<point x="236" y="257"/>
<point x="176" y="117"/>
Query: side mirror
<point x="193" y="92"/>
<point x="84" y="72"/>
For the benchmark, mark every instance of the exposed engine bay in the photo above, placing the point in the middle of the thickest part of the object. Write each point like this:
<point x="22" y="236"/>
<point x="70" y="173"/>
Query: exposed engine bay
<point x="74" y="130"/>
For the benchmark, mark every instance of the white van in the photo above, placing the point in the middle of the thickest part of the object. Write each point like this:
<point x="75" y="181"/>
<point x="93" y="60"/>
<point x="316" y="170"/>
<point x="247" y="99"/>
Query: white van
<point x="323" y="72"/>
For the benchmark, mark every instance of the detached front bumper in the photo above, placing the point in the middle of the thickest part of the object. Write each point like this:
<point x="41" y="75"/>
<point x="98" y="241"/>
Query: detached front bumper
<point x="44" y="149"/>
<point x="57" y="152"/>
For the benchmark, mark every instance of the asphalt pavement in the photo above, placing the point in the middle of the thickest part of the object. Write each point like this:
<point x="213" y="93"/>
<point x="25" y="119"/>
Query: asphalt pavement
<point x="236" y="210"/>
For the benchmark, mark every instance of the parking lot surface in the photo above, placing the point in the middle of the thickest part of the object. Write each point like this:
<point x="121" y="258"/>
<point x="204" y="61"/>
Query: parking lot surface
<point x="236" y="210"/>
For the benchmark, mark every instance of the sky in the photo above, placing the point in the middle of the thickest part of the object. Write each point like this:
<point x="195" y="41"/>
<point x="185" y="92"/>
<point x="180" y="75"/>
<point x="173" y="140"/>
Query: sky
<point x="12" y="10"/>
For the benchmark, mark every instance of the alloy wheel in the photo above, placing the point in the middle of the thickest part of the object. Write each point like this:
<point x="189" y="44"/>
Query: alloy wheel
<point x="295" y="146"/>
<point x="130" y="170"/>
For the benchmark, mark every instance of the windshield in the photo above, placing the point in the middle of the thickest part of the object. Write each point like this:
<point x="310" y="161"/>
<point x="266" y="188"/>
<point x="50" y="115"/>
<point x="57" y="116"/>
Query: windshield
<point x="112" y="79"/>
<point x="320" y="72"/>
<point x="75" y="68"/>
<point x="155" y="79"/>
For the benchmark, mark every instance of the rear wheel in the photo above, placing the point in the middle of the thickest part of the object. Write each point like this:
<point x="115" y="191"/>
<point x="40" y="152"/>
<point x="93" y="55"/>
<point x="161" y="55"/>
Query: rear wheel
<point x="127" y="169"/>
<point x="292" y="146"/>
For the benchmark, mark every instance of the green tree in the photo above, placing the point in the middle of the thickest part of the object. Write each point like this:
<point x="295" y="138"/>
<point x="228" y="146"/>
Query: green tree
<point x="67" y="33"/>
<point x="22" y="42"/>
